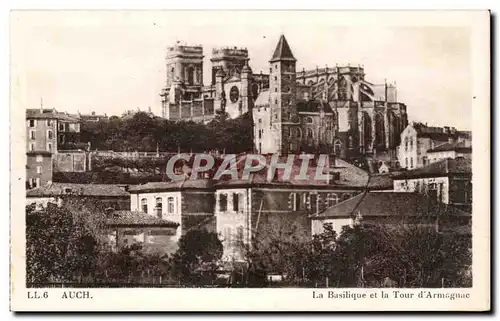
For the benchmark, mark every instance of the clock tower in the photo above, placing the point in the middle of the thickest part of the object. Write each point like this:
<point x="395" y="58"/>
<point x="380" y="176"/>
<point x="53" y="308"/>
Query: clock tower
<point x="282" y="99"/>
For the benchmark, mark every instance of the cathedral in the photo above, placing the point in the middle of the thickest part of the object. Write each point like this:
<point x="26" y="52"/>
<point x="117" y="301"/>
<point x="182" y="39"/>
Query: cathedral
<point x="332" y="110"/>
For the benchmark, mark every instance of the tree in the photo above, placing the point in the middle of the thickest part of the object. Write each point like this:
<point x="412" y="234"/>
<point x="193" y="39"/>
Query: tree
<point x="58" y="246"/>
<point x="199" y="253"/>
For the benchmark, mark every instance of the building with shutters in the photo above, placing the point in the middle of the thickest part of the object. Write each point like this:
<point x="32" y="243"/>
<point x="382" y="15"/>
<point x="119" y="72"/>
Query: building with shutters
<point x="448" y="181"/>
<point x="240" y="210"/>
<point x="47" y="132"/>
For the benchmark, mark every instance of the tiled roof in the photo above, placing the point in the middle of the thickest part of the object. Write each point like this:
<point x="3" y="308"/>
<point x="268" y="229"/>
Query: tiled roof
<point x="173" y="185"/>
<point x="389" y="204"/>
<point x="133" y="218"/>
<point x="91" y="190"/>
<point x="438" y="133"/>
<point x="282" y="51"/>
<point x="313" y="106"/>
<point x="50" y="114"/>
<point x="349" y="176"/>
<point x="458" y="147"/>
<point x="441" y="168"/>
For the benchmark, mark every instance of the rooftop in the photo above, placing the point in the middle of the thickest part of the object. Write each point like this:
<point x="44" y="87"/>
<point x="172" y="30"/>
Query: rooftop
<point x="133" y="218"/>
<point x="90" y="190"/>
<point x="50" y="114"/>
<point x="173" y="185"/>
<point x="458" y="147"/>
<point x="394" y="204"/>
<point x="441" y="168"/>
<point x="282" y="51"/>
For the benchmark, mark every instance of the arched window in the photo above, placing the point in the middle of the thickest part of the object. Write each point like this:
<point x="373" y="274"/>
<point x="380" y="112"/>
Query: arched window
<point x="379" y="129"/>
<point x="310" y="133"/>
<point x="159" y="207"/>
<point x="50" y="134"/>
<point x="406" y="143"/>
<point x="331" y="199"/>
<point x="144" y="205"/>
<point x="309" y="120"/>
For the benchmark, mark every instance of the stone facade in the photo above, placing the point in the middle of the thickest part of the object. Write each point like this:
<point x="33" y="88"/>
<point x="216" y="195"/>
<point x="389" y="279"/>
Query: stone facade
<point x="328" y="110"/>
<point x="352" y="116"/>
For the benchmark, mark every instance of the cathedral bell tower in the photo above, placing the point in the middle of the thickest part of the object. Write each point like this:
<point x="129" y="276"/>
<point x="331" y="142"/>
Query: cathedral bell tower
<point x="282" y="99"/>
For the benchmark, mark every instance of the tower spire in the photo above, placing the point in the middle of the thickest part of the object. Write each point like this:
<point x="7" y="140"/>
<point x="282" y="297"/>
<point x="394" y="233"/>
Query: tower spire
<point x="282" y="51"/>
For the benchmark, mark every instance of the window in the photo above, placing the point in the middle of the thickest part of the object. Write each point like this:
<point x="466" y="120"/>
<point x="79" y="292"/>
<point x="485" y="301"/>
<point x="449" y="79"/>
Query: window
<point x="309" y="120"/>
<point x="309" y="133"/>
<point x="275" y="78"/>
<point x="32" y="147"/>
<point x="236" y="202"/>
<point x="294" y="201"/>
<point x="32" y="123"/>
<point x="49" y="123"/>
<point x="275" y="116"/>
<point x="275" y="89"/>
<point x="61" y="139"/>
<point x="39" y="158"/>
<point x="424" y="160"/>
<point x="276" y="101"/>
<point x="159" y="206"/>
<point x="406" y="143"/>
<point x="406" y="162"/>
<point x="144" y="205"/>
<point x="50" y="134"/>
<point x="313" y="203"/>
<point x="32" y="134"/>
<point x="39" y="169"/>
<point x="223" y="202"/>
<point x="411" y="144"/>
<point x="61" y="126"/>
<point x="239" y="235"/>
<point x="49" y="147"/>
<point x="411" y="162"/>
<point x="299" y="133"/>
<point x="170" y="205"/>
<point x="331" y="199"/>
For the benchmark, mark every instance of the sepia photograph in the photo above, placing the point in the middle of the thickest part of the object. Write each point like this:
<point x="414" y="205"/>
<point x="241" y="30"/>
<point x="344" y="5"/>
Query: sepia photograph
<point x="194" y="150"/>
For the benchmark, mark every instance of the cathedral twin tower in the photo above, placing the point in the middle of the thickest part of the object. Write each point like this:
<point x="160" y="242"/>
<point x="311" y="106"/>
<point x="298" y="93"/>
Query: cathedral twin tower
<point x="332" y="110"/>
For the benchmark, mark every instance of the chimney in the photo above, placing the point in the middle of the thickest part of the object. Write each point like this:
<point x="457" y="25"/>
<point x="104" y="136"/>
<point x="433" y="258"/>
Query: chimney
<point x="93" y="113"/>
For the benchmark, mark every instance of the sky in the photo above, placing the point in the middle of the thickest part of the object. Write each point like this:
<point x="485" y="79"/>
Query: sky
<point x="113" y="61"/>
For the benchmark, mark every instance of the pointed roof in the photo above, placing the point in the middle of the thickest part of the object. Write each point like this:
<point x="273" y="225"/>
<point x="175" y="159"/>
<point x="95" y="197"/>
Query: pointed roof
<point x="282" y="51"/>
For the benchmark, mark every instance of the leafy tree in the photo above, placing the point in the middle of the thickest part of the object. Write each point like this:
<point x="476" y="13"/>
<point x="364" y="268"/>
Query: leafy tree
<point x="199" y="253"/>
<point x="58" y="246"/>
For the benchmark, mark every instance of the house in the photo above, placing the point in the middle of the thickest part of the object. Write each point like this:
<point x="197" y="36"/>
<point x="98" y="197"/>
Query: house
<point x="248" y="210"/>
<point x="449" y="150"/>
<point x="448" y="181"/>
<point x="128" y="227"/>
<point x="39" y="168"/>
<point x="188" y="203"/>
<point x="391" y="208"/>
<point x="242" y="209"/>
<point x="108" y="195"/>
<point x="47" y="131"/>
<point x="417" y="139"/>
